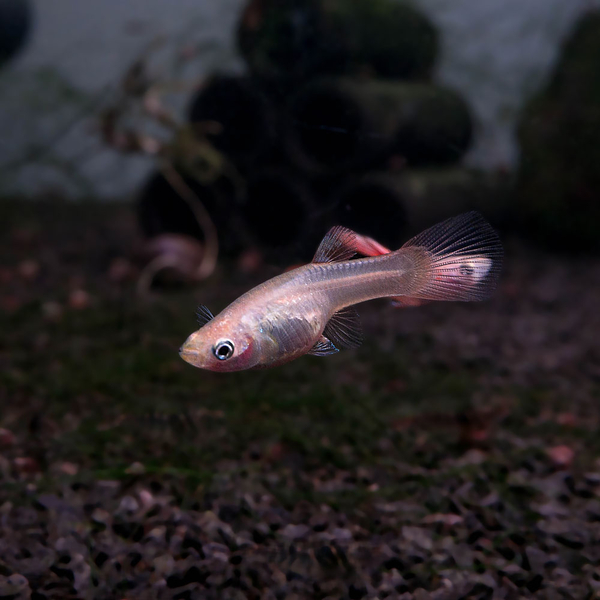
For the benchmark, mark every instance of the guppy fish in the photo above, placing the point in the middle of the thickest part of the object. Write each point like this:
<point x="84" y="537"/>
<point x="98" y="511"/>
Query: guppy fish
<point x="308" y="310"/>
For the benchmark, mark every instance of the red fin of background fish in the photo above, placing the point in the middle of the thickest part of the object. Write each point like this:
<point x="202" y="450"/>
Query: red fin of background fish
<point x="342" y="243"/>
<point x="466" y="257"/>
<point x="338" y="244"/>
<point x="368" y="246"/>
<point x="407" y="301"/>
<point x="344" y="329"/>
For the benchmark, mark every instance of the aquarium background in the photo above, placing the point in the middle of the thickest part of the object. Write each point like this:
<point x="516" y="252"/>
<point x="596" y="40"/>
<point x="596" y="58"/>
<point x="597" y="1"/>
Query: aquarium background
<point x="160" y="155"/>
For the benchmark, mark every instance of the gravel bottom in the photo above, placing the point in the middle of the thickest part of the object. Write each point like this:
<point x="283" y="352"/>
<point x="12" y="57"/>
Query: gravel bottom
<point x="454" y="456"/>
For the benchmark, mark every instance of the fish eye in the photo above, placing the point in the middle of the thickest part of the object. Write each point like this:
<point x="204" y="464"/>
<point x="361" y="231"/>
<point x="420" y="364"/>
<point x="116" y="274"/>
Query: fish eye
<point x="223" y="350"/>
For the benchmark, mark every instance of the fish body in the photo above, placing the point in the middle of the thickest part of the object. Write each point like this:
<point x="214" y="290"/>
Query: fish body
<point x="309" y="310"/>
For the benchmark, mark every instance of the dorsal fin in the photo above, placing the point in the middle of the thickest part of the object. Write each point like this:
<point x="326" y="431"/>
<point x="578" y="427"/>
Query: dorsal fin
<point x="344" y="329"/>
<point x="204" y="315"/>
<point x="338" y="244"/>
<point x="323" y="347"/>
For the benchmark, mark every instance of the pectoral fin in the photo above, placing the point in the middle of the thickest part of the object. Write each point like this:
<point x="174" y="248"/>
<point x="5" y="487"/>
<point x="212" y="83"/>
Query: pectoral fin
<point x="290" y="334"/>
<point x="204" y="315"/>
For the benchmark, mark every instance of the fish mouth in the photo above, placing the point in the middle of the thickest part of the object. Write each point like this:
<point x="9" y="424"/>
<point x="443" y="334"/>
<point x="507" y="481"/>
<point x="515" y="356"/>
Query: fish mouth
<point x="189" y="355"/>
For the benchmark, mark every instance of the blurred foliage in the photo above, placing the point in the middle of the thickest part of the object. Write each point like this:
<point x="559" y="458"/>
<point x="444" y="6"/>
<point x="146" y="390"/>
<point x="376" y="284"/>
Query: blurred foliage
<point x="559" y="180"/>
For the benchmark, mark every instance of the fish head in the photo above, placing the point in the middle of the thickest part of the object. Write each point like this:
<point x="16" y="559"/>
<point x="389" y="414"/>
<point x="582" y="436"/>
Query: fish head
<point x="222" y="346"/>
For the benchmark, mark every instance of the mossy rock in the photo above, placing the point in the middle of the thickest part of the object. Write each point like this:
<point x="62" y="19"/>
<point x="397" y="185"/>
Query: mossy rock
<point x="284" y="41"/>
<point x="558" y="188"/>
<point x="279" y="213"/>
<point x="347" y="123"/>
<point x="246" y="120"/>
<point x="408" y="201"/>
<point x="15" y="25"/>
<point x="160" y="210"/>
<point x="287" y="41"/>
<point x="439" y="130"/>
<point x="388" y="38"/>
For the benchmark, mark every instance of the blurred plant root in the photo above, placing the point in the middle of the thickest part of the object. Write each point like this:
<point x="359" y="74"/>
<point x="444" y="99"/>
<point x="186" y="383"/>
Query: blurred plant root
<point x="188" y="155"/>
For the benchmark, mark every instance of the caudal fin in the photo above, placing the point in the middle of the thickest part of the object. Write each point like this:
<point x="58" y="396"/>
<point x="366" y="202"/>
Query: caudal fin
<point x="466" y="257"/>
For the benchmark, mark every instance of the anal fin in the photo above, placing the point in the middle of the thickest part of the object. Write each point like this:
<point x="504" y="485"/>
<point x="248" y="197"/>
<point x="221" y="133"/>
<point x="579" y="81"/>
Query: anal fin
<point x="344" y="329"/>
<point x="323" y="347"/>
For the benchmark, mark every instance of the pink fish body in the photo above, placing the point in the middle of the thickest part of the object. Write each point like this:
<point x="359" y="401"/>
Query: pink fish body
<point x="309" y="310"/>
